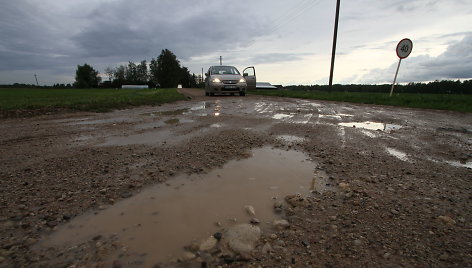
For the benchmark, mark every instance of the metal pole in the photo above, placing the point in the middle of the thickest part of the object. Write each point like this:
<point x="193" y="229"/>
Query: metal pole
<point x="202" y="76"/>
<point x="395" y="79"/>
<point x="221" y="60"/>
<point x="335" y="37"/>
<point x="35" y="77"/>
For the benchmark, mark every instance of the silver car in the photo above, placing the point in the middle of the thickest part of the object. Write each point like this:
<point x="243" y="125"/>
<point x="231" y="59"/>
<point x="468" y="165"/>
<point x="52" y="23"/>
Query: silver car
<point x="227" y="80"/>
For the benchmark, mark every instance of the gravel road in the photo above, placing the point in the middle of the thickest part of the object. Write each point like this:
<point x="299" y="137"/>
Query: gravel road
<point x="400" y="180"/>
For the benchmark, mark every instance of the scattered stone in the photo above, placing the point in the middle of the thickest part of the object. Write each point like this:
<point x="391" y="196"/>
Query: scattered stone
<point x="187" y="256"/>
<point x="273" y="236"/>
<point x="344" y="186"/>
<point x="51" y="224"/>
<point x="297" y="201"/>
<point x="208" y="244"/>
<point x="444" y="257"/>
<point x="447" y="220"/>
<point x="30" y="241"/>
<point x="250" y="210"/>
<point x="117" y="264"/>
<point x="357" y="242"/>
<point x="255" y="221"/>
<point x="240" y="239"/>
<point x="278" y="206"/>
<point x="218" y="236"/>
<point x="267" y="248"/>
<point x="305" y="243"/>
<point x="125" y="195"/>
<point x="281" y="224"/>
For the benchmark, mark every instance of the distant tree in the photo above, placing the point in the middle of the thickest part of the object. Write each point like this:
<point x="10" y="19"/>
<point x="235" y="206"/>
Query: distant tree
<point x="167" y="69"/>
<point x="120" y="76"/>
<point x="109" y="72"/>
<point x="132" y="73"/>
<point x="153" y="72"/>
<point x="142" y="73"/>
<point x="86" y="77"/>
<point x="187" y="80"/>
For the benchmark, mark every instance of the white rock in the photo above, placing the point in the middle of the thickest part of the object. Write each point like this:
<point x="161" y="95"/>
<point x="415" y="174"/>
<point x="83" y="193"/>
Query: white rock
<point x="281" y="224"/>
<point x="241" y="238"/>
<point x="208" y="244"/>
<point x="250" y="210"/>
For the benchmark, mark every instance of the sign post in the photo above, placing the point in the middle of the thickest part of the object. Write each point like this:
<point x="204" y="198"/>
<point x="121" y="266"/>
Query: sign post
<point x="404" y="48"/>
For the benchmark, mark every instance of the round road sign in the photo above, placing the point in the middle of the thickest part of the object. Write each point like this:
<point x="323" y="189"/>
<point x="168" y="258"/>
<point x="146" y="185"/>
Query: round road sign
<point x="404" y="48"/>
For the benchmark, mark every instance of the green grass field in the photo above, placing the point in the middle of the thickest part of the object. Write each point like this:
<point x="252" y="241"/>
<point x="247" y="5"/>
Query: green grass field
<point x="97" y="100"/>
<point x="453" y="102"/>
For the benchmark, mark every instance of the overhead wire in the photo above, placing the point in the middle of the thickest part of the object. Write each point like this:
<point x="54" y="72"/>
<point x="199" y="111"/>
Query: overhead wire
<point x="292" y="14"/>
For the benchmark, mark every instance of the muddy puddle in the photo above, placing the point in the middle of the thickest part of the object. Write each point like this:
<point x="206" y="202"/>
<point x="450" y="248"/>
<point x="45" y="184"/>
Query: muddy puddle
<point x="157" y="223"/>
<point x="376" y="126"/>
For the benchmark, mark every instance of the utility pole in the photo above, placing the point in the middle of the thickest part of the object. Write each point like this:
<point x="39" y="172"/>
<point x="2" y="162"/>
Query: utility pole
<point x="335" y="37"/>
<point x="35" y="77"/>
<point x="202" y="76"/>
<point x="221" y="60"/>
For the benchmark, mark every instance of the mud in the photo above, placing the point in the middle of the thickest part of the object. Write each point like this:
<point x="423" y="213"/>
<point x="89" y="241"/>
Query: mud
<point x="193" y="207"/>
<point x="399" y="189"/>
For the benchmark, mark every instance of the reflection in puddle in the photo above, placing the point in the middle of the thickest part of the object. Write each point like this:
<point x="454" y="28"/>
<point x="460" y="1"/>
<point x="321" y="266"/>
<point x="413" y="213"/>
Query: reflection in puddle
<point x="459" y="164"/>
<point x="167" y="113"/>
<point x="99" y="121"/>
<point x="217" y="108"/>
<point x="157" y="223"/>
<point x="335" y="116"/>
<point x="281" y="116"/>
<point x="400" y="155"/>
<point x="201" y="106"/>
<point x="372" y="126"/>
<point x="369" y="134"/>
<point x="216" y="125"/>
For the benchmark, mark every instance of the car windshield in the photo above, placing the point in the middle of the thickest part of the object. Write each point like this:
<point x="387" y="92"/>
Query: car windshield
<point x="224" y="70"/>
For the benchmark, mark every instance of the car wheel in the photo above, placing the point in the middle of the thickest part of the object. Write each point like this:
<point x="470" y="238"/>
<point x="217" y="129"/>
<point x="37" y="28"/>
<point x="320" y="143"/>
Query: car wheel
<point x="242" y="93"/>
<point x="207" y="94"/>
<point x="212" y="94"/>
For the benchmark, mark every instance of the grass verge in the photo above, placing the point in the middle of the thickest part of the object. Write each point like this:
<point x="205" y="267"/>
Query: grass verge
<point x="96" y="100"/>
<point x="452" y="102"/>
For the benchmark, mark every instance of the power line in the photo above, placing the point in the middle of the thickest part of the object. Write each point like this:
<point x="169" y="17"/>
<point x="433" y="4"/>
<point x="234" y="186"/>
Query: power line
<point x="292" y="14"/>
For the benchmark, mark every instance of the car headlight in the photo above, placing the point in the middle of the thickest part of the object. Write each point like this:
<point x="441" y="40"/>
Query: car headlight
<point x="242" y="80"/>
<point x="216" y="80"/>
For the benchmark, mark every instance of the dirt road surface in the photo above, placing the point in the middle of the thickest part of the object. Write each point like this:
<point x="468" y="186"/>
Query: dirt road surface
<point x="385" y="186"/>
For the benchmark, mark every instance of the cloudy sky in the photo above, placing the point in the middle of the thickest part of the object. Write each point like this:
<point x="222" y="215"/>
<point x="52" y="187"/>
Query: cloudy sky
<point x="289" y="42"/>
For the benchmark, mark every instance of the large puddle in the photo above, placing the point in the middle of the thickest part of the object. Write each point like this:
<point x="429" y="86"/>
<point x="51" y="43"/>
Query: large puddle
<point x="157" y="223"/>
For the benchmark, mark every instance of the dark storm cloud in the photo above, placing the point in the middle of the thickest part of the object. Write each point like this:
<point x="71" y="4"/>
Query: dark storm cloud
<point x="187" y="28"/>
<point x="58" y="35"/>
<point x="454" y="63"/>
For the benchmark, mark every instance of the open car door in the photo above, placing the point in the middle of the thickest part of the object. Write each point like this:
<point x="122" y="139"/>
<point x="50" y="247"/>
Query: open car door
<point x="250" y="75"/>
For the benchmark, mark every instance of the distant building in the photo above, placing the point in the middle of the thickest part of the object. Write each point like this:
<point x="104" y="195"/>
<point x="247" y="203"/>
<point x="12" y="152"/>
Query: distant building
<point x="264" y="85"/>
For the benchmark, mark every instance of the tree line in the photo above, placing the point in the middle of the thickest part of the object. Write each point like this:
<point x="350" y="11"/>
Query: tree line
<point x="435" y="87"/>
<point x="164" y="71"/>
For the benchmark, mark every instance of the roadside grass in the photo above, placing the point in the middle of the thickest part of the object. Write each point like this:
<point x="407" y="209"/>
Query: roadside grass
<point x="96" y="100"/>
<point x="452" y="102"/>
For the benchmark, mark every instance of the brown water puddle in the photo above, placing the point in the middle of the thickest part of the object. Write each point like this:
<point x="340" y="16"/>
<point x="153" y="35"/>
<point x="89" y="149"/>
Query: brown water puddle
<point x="157" y="223"/>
